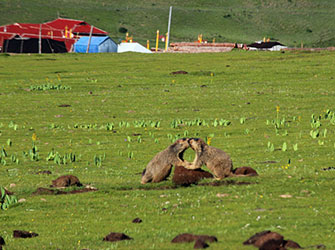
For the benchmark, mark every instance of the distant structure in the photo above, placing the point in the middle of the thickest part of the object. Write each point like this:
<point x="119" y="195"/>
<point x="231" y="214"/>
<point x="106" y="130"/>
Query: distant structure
<point x="132" y="47"/>
<point x="271" y="46"/>
<point x="17" y="37"/>
<point x="98" y="44"/>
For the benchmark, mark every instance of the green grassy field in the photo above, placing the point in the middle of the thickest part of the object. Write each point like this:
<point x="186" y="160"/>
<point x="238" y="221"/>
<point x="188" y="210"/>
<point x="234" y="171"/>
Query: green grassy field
<point x="290" y="21"/>
<point x="113" y="96"/>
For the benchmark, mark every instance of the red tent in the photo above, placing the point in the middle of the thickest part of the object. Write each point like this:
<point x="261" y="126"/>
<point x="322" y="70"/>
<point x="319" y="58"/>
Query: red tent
<point x="61" y="29"/>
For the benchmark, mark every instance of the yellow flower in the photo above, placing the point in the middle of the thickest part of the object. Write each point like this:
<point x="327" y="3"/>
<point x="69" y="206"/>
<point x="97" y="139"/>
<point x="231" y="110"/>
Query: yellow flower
<point x="277" y="108"/>
<point x="209" y="140"/>
<point x="34" y="137"/>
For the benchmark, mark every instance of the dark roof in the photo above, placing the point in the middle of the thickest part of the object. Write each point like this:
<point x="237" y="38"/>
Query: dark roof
<point x="264" y="45"/>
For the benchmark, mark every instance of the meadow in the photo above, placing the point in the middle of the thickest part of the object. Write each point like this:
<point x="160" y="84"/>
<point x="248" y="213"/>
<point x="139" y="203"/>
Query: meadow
<point x="106" y="115"/>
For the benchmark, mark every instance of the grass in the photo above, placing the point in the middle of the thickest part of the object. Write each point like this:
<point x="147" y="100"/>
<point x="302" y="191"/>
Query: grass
<point x="130" y="88"/>
<point x="290" y="21"/>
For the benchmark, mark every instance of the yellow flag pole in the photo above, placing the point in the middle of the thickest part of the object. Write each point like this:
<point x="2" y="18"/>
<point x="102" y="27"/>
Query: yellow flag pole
<point x="157" y="39"/>
<point x="166" y="41"/>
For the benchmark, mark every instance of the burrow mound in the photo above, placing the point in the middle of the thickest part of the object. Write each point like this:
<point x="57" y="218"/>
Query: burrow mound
<point x="51" y="191"/>
<point x="200" y="240"/>
<point x="24" y="234"/>
<point x="187" y="237"/>
<point x="116" y="237"/>
<point x="63" y="182"/>
<point x="199" y="244"/>
<point x="267" y="240"/>
<point x="66" y="181"/>
<point x="137" y="220"/>
<point x="186" y="177"/>
<point x="179" y="72"/>
<point x="247" y="171"/>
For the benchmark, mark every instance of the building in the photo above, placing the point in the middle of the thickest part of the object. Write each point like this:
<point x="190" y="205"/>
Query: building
<point x="63" y="30"/>
<point x="98" y="44"/>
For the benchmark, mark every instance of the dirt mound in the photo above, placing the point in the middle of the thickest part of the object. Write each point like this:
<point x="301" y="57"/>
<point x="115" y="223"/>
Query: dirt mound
<point x="180" y="72"/>
<point x="24" y="234"/>
<point x="291" y="244"/>
<point x="66" y="181"/>
<point x="50" y="191"/>
<point x="186" y="237"/>
<point x="225" y="183"/>
<point x="137" y="220"/>
<point x="268" y="240"/>
<point x="245" y="171"/>
<point x="116" y="237"/>
<point x="42" y="191"/>
<point x="200" y="244"/>
<point x="186" y="177"/>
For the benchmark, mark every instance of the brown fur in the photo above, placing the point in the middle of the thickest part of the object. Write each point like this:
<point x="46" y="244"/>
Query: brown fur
<point x="159" y="168"/>
<point x="216" y="160"/>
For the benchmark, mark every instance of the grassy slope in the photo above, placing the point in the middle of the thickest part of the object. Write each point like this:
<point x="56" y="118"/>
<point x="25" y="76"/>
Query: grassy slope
<point x="139" y="87"/>
<point x="290" y="21"/>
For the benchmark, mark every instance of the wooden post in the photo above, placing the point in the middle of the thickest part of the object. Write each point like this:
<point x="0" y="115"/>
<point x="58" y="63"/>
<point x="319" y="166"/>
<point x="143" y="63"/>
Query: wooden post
<point x="157" y="39"/>
<point x="89" y="39"/>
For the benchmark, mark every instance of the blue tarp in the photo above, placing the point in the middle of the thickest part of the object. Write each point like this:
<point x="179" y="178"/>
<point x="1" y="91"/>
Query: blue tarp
<point x="98" y="44"/>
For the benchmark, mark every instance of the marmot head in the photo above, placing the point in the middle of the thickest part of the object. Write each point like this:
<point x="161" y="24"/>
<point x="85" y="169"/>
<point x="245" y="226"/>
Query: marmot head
<point x="197" y="144"/>
<point x="180" y="147"/>
<point x="181" y="144"/>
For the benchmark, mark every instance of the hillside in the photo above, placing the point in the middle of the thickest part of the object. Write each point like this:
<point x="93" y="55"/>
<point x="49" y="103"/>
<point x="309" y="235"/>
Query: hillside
<point x="289" y="21"/>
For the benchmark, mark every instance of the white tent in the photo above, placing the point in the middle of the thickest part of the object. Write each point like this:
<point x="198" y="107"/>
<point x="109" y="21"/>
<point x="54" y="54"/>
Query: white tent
<point x="132" y="47"/>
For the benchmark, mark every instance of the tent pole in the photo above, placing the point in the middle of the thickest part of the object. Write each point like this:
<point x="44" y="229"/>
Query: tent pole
<point x="21" y="47"/>
<point x="40" y="40"/>
<point x="89" y="40"/>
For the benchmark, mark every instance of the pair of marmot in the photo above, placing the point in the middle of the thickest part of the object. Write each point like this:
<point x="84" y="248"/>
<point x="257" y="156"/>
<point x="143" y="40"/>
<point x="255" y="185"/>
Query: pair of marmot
<point x="216" y="160"/>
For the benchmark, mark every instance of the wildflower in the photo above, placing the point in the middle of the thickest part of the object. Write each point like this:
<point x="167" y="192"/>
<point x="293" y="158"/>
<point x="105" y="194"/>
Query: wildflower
<point x="209" y="140"/>
<point x="34" y="137"/>
<point x="277" y="108"/>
